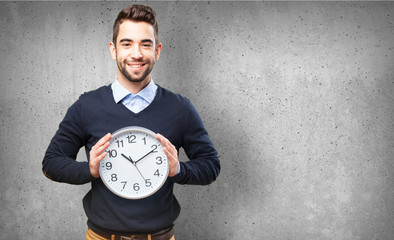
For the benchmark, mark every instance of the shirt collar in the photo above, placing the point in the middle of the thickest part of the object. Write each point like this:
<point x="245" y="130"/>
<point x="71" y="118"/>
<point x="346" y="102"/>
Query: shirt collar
<point x="148" y="93"/>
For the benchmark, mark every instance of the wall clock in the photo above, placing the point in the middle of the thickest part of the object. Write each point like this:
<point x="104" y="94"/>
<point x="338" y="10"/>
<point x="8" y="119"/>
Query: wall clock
<point x="135" y="166"/>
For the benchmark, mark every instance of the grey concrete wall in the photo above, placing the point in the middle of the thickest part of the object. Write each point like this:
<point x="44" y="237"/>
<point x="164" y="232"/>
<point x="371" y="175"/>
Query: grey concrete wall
<point x="296" y="96"/>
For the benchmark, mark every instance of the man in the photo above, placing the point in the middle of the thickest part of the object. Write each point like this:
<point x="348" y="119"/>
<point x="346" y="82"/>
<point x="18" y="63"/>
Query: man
<point x="132" y="100"/>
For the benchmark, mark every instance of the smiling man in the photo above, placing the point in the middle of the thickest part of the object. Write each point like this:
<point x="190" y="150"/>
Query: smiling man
<point x="132" y="100"/>
<point x="135" y="51"/>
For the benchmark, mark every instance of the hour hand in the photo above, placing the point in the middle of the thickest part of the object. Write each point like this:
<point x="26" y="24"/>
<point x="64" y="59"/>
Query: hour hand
<point x="128" y="158"/>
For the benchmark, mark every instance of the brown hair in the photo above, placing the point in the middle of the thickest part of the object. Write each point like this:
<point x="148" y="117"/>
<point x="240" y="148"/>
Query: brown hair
<point x="136" y="13"/>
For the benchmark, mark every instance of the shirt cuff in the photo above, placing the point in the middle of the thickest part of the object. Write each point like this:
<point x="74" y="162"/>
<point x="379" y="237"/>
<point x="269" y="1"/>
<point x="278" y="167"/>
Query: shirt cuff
<point x="179" y="169"/>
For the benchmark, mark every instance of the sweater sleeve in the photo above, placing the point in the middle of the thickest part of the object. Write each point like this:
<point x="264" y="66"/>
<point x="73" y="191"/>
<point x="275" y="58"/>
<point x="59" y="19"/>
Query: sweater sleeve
<point x="203" y="166"/>
<point x="59" y="162"/>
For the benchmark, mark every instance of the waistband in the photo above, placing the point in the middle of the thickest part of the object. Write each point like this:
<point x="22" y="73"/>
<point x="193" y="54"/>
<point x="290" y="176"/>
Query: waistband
<point x="165" y="234"/>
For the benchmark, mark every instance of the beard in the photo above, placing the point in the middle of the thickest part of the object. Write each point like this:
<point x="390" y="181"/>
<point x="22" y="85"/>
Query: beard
<point x="134" y="77"/>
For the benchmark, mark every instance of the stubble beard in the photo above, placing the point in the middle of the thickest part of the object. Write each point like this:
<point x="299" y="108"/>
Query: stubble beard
<point x="135" y="79"/>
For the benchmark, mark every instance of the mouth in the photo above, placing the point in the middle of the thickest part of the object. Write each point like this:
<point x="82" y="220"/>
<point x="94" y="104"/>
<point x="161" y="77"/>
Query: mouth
<point x="136" y="66"/>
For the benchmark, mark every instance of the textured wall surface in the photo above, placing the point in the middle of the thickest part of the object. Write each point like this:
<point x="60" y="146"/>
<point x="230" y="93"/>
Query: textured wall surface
<point x="297" y="98"/>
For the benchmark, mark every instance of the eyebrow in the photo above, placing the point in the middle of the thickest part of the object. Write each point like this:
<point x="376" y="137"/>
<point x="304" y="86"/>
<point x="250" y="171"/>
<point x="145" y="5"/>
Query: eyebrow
<point x="130" y="40"/>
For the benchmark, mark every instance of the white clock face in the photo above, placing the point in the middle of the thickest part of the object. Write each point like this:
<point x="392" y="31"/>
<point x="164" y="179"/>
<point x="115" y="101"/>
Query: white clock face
<point x="135" y="165"/>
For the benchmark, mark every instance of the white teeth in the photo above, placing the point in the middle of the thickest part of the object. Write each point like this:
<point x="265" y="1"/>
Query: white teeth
<point x="135" y="66"/>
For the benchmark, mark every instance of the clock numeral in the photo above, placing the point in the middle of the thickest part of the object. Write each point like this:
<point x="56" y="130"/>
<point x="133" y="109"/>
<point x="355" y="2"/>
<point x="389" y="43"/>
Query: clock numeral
<point x="112" y="153"/>
<point x="108" y="165"/>
<point x="159" y="161"/>
<point x="157" y="173"/>
<point x="144" y="140"/>
<point x="124" y="184"/>
<point x="131" y="138"/>
<point x="154" y="148"/>
<point x="120" y="143"/>
<point x="148" y="183"/>
<point x="136" y="187"/>
<point x="114" y="177"/>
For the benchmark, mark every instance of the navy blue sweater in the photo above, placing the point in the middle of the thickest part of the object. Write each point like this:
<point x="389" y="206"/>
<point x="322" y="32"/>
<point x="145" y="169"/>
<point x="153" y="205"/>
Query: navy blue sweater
<point x="92" y="116"/>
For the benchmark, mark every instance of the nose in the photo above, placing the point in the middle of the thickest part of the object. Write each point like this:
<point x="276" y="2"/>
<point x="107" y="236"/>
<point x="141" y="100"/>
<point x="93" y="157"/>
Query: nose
<point x="135" y="52"/>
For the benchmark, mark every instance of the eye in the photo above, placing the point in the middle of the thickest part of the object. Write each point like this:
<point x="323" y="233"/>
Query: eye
<point x="147" y="45"/>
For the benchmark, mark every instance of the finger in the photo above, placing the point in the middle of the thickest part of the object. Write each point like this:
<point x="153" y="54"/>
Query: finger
<point x="168" y="148"/>
<point x="95" y="160"/>
<point x="169" y="154"/>
<point x="160" y="138"/>
<point x="103" y="140"/>
<point x="173" y="161"/>
<point x="100" y="146"/>
<point x="100" y="151"/>
<point x="172" y="151"/>
<point x="101" y="156"/>
<point x="165" y="142"/>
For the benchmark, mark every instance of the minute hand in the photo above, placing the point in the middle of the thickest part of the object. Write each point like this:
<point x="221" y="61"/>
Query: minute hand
<point x="144" y="156"/>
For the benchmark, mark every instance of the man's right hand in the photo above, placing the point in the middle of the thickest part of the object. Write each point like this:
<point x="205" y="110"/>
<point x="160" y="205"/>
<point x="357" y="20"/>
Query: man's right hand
<point x="97" y="154"/>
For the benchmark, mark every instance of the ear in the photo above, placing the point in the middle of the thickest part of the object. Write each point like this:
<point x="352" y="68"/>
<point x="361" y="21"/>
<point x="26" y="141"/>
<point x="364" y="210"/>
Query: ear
<point x="112" y="49"/>
<point x="158" y="50"/>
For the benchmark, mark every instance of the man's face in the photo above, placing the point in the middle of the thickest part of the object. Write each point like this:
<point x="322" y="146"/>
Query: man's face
<point x="136" y="51"/>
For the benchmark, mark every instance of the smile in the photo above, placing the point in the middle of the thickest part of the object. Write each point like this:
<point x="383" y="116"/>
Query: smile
<point x="135" y="65"/>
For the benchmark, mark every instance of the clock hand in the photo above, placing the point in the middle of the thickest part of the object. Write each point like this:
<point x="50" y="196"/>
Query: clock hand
<point x="128" y="158"/>
<point x="144" y="156"/>
<point x="139" y="172"/>
<point x="134" y="163"/>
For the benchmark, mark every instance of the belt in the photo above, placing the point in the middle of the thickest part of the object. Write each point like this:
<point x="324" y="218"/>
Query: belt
<point x="165" y="234"/>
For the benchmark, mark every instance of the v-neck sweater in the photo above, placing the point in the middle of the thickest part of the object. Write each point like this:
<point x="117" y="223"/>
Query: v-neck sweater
<point x="95" y="114"/>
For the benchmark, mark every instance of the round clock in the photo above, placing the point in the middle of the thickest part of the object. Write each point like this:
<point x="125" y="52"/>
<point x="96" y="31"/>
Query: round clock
<point x="135" y="166"/>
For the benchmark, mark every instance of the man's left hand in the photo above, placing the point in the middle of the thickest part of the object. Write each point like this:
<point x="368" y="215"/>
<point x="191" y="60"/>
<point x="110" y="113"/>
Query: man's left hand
<point x="171" y="153"/>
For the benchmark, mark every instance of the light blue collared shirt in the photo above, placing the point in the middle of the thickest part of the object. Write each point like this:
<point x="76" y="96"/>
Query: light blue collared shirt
<point x="134" y="102"/>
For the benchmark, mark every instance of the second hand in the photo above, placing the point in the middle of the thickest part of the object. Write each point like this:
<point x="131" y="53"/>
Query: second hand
<point x="139" y="171"/>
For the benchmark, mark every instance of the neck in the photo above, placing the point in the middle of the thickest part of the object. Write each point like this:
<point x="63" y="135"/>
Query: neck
<point x="133" y="87"/>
